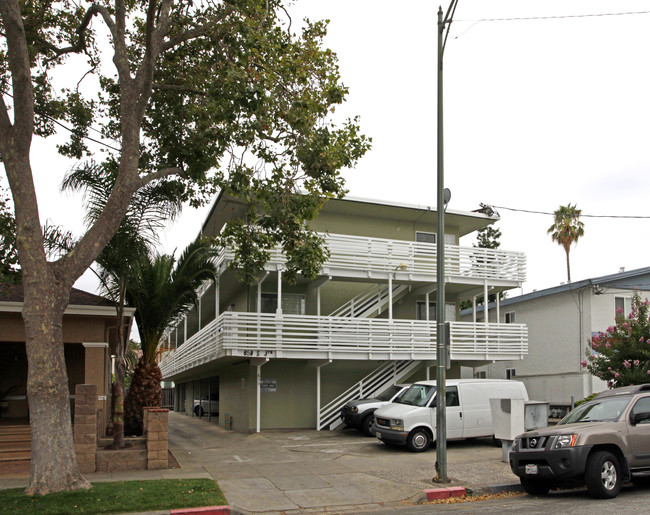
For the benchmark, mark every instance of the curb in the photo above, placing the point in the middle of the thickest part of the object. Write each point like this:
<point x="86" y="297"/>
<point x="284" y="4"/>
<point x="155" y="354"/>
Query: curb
<point x="205" y="510"/>
<point x="511" y="487"/>
<point x="435" y="494"/>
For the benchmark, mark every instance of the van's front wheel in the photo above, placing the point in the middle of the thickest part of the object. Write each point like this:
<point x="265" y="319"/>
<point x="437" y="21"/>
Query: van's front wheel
<point x="418" y="440"/>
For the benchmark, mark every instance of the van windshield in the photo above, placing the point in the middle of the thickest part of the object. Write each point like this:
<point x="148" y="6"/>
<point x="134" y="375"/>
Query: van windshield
<point x="389" y="394"/>
<point x="417" y="395"/>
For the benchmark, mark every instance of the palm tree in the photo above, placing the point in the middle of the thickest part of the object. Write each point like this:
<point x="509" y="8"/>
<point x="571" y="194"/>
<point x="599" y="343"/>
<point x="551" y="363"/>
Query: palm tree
<point x="567" y="229"/>
<point x="150" y="208"/>
<point x="162" y="290"/>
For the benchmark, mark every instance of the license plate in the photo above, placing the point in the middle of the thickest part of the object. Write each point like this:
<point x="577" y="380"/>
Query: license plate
<point x="378" y="435"/>
<point x="531" y="469"/>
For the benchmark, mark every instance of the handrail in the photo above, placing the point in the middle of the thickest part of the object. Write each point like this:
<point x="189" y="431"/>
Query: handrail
<point x="354" y="253"/>
<point x="305" y="336"/>
<point x="374" y="383"/>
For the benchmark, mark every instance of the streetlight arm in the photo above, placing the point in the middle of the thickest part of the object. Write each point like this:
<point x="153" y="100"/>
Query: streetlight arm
<point x="451" y="10"/>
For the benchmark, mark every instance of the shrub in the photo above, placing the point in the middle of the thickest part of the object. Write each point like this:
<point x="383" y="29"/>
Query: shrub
<point x="621" y="354"/>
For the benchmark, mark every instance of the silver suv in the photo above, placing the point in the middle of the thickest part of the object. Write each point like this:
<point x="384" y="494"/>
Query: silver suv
<point x="600" y="444"/>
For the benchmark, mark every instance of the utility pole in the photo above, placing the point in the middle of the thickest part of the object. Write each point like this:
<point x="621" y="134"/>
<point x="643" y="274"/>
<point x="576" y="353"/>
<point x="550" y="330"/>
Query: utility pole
<point x="441" y="350"/>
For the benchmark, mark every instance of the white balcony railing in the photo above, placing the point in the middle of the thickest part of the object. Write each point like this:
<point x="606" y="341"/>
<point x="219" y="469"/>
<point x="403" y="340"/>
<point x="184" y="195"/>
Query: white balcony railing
<point x="361" y="254"/>
<point x="264" y="335"/>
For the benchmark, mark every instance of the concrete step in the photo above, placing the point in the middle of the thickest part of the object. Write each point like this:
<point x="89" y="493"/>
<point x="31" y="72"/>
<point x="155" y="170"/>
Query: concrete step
<point x="15" y="450"/>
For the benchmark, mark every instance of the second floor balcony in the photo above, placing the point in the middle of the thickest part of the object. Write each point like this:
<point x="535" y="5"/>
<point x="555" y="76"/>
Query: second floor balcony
<point x="271" y="336"/>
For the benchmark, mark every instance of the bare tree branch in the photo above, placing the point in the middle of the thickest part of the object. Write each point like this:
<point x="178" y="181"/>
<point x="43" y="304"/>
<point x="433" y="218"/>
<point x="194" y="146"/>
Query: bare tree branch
<point x="161" y="174"/>
<point x="80" y="45"/>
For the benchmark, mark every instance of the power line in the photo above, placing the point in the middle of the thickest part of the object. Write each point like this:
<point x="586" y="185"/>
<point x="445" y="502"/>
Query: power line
<point x="550" y="17"/>
<point x="556" y="17"/>
<point x="62" y="125"/>
<point x="530" y="211"/>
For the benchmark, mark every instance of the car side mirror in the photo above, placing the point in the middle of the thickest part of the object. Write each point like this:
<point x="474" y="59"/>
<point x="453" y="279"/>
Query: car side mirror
<point x="642" y="416"/>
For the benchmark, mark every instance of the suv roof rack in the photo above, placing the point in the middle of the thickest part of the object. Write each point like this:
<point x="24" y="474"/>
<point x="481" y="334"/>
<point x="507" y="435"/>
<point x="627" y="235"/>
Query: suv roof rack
<point x="625" y="390"/>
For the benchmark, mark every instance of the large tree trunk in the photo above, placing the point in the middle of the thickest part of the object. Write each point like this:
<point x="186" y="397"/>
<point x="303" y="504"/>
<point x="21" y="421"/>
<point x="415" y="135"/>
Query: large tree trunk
<point x="145" y="391"/>
<point x="54" y="462"/>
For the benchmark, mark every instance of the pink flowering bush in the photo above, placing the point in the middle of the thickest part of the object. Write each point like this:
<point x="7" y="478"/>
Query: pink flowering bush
<point x="621" y="354"/>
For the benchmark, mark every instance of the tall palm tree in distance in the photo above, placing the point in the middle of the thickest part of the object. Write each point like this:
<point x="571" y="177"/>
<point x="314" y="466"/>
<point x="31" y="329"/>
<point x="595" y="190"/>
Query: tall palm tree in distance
<point x="566" y="230"/>
<point x="162" y="289"/>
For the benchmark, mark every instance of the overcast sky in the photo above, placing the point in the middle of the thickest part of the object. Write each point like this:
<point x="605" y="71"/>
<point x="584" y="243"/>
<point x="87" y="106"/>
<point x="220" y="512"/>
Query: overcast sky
<point x="538" y="113"/>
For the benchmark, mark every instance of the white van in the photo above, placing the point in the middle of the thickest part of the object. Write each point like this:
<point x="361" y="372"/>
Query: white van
<point x="411" y="420"/>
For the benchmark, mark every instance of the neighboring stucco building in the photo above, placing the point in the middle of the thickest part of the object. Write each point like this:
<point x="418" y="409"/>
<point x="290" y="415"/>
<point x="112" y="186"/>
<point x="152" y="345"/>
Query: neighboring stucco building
<point x="89" y="329"/>
<point x="288" y="356"/>
<point x="561" y="321"/>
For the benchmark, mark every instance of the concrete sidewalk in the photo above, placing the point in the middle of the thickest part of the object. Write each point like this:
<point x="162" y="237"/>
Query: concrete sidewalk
<point x="306" y="471"/>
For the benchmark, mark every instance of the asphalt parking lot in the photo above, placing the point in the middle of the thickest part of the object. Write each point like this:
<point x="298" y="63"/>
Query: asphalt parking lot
<point x="302" y="471"/>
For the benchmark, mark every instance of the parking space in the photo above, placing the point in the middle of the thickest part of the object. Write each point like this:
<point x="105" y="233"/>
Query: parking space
<point x="284" y="470"/>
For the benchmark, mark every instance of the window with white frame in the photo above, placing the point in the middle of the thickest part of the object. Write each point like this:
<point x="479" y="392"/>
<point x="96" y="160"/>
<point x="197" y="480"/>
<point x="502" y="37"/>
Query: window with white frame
<point x="510" y="317"/>
<point x="425" y="237"/>
<point x="510" y="373"/>
<point x="421" y="314"/>
<point x="623" y="306"/>
<point x="292" y="303"/>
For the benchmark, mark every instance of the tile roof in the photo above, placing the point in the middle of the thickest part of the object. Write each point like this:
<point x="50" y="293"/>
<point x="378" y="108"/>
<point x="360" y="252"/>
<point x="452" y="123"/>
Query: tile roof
<point x="15" y="293"/>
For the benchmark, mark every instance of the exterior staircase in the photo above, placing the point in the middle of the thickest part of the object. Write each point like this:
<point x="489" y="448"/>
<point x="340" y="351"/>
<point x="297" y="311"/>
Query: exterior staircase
<point x="370" y="303"/>
<point x="15" y="450"/>
<point x="388" y="373"/>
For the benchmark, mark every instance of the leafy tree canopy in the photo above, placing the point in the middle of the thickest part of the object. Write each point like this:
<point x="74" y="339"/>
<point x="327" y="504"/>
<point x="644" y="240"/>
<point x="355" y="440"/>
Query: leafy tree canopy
<point x="208" y="96"/>
<point x="621" y="354"/>
<point x="237" y="102"/>
<point x="488" y="238"/>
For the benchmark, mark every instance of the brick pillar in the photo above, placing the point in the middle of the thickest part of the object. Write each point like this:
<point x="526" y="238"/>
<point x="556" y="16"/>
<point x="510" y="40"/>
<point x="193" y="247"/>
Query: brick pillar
<point x="156" y="430"/>
<point x="85" y="426"/>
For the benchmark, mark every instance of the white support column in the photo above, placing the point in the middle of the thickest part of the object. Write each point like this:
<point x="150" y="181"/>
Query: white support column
<point x="259" y="293"/>
<point x="318" y="367"/>
<point x="318" y="301"/>
<point x="474" y="309"/>
<point x="390" y="296"/>
<point x="485" y="301"/>
<point x="279" y="308"/>
<point x="259" y="364"/>
<point x="498" y="309"/>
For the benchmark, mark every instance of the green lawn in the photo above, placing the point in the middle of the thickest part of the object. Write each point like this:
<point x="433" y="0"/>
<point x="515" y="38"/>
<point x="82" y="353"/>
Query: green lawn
<point x="117" y="497"/>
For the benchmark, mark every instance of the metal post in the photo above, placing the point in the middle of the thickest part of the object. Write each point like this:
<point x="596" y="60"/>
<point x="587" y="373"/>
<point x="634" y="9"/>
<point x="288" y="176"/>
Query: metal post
<point x="441" y="355"/>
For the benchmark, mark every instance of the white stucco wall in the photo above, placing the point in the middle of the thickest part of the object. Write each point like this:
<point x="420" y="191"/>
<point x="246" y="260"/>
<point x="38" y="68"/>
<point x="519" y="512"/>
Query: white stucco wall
<point x="559" y="327"/>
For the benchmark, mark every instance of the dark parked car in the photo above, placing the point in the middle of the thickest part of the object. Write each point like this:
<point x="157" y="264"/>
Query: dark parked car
<point x="359" y="413"/>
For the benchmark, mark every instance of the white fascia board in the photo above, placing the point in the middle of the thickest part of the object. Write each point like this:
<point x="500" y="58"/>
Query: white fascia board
<point x="75" y="309"/>
<point x="420" y="207"/>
